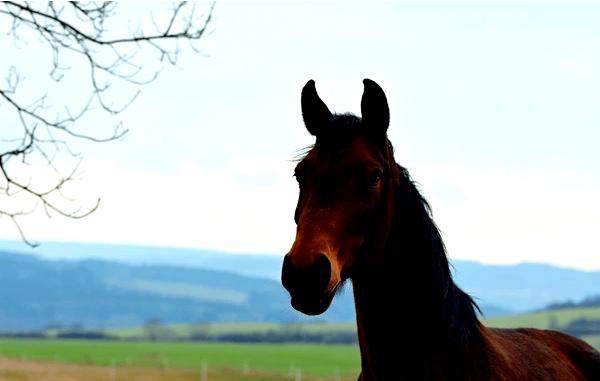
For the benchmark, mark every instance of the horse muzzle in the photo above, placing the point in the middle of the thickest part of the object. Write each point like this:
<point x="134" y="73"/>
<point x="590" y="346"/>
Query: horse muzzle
<point x="309" y="284"/>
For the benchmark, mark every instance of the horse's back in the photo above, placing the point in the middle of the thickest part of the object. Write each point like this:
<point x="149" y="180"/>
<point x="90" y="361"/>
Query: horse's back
<point x="535" y="354"/>
<point x="585" y="358"/>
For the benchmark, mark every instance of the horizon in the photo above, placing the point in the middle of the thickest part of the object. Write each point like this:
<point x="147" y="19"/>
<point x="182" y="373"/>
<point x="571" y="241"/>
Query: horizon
<point x="493" y="111"/>
<point x="49" y="250"/>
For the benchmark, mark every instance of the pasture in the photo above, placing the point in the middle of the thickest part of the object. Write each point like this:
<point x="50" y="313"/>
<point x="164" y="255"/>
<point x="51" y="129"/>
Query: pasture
<point x="549" y="320"/>
<point x="127" y="359"/>
<point x="184" y="331"/>
<point x="26" y="370"/>
<point x="540" y="320"/>
<point x="544" y="319"/>
<point x="309" y="360"/>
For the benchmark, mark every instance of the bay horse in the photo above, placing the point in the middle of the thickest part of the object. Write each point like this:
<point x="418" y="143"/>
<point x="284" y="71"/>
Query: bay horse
<point x="360" y="217"/>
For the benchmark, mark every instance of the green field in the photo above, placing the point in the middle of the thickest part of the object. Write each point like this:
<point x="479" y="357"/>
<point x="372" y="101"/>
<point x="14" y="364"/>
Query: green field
<point x="541" y="320"/>
<point x="183" y="331"/>
<point x="549" y="320"/>
<point x="594" y="341"/>
<point x="544" y="319"/>
<point x="315" y="360"/>
<point x="276" y="359"/>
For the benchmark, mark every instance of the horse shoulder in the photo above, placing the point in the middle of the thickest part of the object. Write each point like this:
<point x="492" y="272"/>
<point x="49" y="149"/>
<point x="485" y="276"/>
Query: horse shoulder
<point x="542" y="354"/>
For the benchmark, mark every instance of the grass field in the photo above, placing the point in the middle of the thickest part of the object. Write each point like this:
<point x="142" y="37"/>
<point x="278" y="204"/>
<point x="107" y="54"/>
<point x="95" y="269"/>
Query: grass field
<point x="594" y="341"/>
<point x="310" y="360"/>
<point x="143" y="360"/>
<point x="29" y="370"/>
<point x="543" y="320"/>
<point x="546" y="319"/>
<point x="185" y="330"/>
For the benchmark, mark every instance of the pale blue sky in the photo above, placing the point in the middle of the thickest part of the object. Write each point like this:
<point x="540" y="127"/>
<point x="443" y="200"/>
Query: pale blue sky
<point x="495" y="110"/>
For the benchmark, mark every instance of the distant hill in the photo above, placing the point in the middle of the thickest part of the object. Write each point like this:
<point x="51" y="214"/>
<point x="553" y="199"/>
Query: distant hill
<point x="589" y="302"/>
<point x="254" y="265"/>
<point x="158" y="276"/>
<point x="36" y="294"/>
<point x="525" y="287"/>
<point x="544" y="319"/>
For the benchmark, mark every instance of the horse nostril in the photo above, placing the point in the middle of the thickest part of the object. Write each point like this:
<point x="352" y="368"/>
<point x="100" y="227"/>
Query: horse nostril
<point x="309" y="280"/>
<point x="289" y="274"/>
<point x="320" y="273"/>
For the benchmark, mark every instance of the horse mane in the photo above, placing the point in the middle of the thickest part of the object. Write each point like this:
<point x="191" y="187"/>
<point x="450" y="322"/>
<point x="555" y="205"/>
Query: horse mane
<point x="340" y="125"/>
<point x="458" y="309"/>
<point x="345" y="122"/>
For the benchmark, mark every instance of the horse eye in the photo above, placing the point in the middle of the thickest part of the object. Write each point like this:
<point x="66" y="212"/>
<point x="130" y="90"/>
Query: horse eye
<point x="374" y="178"/>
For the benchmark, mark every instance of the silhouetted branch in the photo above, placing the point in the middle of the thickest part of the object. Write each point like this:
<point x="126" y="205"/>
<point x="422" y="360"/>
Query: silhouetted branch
<point x="78" y="35"/>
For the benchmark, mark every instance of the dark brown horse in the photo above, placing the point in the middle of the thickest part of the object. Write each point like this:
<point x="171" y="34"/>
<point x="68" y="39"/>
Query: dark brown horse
<point x="360" y="217"/>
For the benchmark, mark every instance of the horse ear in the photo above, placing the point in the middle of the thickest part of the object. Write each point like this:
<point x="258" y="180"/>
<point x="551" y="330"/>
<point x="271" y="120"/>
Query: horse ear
<point x="314" y="112"/>
<point x="374" y="108"/>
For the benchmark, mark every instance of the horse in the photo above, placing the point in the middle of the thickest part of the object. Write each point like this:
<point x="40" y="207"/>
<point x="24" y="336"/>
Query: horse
<point x="360" y="217"/>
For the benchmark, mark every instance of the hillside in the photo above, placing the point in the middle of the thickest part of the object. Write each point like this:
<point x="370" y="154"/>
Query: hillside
<point x="37" y="293"/>
<point x="592" y="301"/>
<point x="525" y="287"/>
<point x="583" y="322"/>
<point x="498" y="289"/>
<point x="545" y="319"/>
<point x="170" y="285"/>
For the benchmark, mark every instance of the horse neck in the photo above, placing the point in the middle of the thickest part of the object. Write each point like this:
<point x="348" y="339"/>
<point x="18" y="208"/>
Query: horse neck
<point x="436" y="326"/>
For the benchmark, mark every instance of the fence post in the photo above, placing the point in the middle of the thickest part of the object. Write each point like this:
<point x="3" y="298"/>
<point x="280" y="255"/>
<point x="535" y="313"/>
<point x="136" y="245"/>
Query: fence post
<point x="164" y="361"/>
<point x="113" y="370"/>
<point x="337" y="376"/>
<point x="204" y="371"/>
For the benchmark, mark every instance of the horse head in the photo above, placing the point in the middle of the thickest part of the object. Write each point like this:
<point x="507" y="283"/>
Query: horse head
<point x="344" y="185"/>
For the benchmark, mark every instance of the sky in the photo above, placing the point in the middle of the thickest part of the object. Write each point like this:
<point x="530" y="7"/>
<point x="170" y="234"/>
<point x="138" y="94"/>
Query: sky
<point x="494" y="111"/>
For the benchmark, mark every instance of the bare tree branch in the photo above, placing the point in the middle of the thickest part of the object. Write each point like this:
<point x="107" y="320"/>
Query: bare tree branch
<point x="78" y="35"/>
